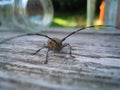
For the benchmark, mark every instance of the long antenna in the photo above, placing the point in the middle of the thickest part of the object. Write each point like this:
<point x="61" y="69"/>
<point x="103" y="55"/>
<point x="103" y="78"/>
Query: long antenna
<point x="29" y="34"/>
<point x="86" y="28"/>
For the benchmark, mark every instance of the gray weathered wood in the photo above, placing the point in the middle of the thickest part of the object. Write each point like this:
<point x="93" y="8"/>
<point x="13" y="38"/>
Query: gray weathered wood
<point x="96" y="65"/>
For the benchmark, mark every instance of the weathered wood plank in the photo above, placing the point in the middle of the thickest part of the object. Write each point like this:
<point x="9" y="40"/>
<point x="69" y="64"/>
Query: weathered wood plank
<point x="96" y="64"/>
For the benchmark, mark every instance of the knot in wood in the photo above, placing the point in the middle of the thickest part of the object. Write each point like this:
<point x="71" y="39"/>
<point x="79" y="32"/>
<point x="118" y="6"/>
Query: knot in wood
<point x="56" y="46"/>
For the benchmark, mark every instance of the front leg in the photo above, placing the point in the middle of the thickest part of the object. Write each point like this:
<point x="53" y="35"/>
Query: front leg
<point x="46" y="61"/>
<point x="70" y="48"/>
<point x="38" y="51"/>
<point x="44" y="46"/>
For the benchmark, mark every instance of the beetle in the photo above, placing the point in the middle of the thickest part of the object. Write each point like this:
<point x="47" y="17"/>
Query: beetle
<point x="55" y="44"/>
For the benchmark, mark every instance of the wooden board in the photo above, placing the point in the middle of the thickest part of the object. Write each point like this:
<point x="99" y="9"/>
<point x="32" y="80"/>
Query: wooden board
<point x="96" y="65"/>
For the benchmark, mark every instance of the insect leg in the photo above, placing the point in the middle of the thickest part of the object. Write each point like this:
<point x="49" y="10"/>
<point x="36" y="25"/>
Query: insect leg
<point x="46" y="61"/>
<point x="70" y="52"/>
<point x="38" y="51"/>
<point x="44" y="46"/>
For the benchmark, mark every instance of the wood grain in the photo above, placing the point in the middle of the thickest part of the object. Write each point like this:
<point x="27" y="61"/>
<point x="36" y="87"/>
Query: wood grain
<point x="96" y="65"/>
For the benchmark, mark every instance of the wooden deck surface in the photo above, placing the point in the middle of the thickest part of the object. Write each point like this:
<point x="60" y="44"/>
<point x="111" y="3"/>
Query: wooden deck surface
<point x="96" y="65"/>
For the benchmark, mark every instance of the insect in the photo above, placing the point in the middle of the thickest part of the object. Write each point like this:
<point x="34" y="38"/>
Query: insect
<point x="55" y="44"/>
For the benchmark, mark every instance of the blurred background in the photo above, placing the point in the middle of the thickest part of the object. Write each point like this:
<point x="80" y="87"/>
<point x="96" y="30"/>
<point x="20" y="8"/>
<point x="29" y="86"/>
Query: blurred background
<point x="35" y="14"/>
<point x="73" y="13"/>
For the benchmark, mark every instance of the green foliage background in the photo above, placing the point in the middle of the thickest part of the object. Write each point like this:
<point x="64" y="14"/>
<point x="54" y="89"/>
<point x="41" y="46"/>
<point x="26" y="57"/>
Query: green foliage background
<point x="69" y="10"/>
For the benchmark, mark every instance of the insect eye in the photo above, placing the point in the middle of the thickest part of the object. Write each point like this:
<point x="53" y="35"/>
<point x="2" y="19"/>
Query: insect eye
<point x="50" y="42"/>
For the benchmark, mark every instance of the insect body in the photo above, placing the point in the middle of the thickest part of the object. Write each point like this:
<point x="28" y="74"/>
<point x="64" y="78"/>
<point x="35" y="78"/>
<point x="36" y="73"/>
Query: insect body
<point x="54" y="44"/>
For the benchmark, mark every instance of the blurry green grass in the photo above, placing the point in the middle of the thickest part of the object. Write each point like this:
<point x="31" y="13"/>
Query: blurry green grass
<point x="68" y="20"/>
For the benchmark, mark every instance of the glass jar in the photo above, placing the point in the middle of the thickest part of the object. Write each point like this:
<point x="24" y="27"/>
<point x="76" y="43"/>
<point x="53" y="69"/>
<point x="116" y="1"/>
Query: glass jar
<point x="26" y="14"/>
